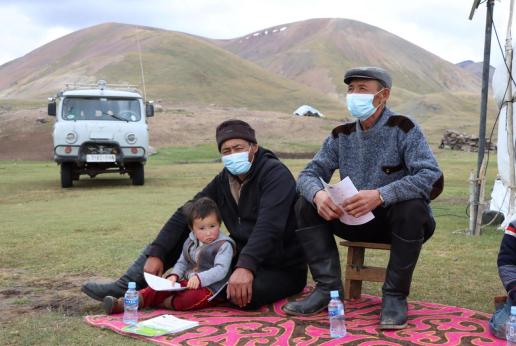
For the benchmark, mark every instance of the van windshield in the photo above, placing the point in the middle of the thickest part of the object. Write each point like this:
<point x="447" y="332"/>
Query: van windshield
<point x="101" y="108"/>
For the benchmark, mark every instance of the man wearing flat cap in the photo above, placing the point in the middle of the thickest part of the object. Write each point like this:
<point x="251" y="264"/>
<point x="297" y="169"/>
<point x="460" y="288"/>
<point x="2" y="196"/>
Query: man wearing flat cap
<point x="388" y="159"/>
<point x="256" y="194"/>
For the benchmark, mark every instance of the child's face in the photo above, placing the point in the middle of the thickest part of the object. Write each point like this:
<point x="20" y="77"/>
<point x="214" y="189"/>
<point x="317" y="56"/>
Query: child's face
<point x="206" y="230"/>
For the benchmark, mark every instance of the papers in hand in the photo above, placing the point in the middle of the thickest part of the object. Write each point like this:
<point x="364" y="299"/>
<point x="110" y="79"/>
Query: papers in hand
<point x="160" y="325"/>
<point x="159" y="284"/>
<point x="339" y="193"/>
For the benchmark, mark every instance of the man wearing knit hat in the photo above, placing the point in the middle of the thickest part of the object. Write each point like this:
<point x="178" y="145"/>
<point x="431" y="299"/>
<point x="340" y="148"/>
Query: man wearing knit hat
<point x="388" y="159"/>
<point x="256" y="194"/>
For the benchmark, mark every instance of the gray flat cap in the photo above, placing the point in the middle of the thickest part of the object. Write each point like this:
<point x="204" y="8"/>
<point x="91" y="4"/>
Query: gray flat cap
<point x="369" y="72"/>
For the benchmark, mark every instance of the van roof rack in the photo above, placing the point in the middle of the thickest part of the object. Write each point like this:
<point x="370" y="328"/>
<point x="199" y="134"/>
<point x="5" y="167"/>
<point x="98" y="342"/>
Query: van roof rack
<point x="101" y="85"/>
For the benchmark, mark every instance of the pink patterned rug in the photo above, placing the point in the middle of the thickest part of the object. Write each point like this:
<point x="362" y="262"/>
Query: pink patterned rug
<point x="429" y="324"/>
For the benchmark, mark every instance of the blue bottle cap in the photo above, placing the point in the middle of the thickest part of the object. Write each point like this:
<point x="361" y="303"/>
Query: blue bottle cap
<point x="131" y="285"/>
<point x="334" y="294"/>
<point x="513" y="310"/>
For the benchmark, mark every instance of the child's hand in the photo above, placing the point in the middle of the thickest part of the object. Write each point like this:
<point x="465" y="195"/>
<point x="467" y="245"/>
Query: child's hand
<point x="172" y="278"/>
<point x="193" y="283"/>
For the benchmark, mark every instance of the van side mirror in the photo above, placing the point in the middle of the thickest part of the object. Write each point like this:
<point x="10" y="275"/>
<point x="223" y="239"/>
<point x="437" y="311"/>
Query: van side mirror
<point x="51" y="107"/>
<point x="149" y="109"/>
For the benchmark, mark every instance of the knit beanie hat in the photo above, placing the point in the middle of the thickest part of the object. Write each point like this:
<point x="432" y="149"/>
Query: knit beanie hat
<point x="231" y="129"/>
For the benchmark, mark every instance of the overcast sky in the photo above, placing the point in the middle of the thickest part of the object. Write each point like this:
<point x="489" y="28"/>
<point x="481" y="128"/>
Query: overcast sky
<point x="440" y="26"/>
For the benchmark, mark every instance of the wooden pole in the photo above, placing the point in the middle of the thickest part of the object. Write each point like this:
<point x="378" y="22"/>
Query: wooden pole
<point x="472" y="215"/>
<point x="483" y="104"/>
<point x="481" y="185"/>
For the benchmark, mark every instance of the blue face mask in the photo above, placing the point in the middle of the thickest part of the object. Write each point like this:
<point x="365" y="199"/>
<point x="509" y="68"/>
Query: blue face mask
<point x="361" y="105"/>
<point x="237" y="163"/>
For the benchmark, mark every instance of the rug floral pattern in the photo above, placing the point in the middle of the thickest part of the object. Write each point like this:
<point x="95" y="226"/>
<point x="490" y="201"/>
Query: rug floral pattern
<point x="429" y="324"/>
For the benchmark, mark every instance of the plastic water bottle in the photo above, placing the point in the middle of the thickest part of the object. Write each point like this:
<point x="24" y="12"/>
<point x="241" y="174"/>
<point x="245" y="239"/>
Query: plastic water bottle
<point x="131" y="305"/>
<point x="336" y="315"/>
<point x="510" y="328"/>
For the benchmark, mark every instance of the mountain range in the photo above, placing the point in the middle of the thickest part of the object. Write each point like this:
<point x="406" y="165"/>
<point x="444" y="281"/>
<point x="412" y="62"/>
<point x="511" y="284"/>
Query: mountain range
<point x="317" y="51"/>
<point x="476" y="68"/>
<point x="178" y="67"/>
<point x="275" y="68"/>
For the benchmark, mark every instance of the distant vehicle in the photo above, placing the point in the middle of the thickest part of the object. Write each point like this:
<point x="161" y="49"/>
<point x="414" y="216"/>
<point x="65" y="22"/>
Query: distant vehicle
<point x="100" y="129"/>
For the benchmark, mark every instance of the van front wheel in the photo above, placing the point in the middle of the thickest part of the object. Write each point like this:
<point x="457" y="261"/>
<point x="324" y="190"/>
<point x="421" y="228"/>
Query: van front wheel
<point x="66" y="174"/>
<point x="138" y="175"/>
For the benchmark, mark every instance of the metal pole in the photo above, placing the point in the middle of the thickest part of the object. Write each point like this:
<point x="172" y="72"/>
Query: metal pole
<point x="141" y="65"/>
<point x="483" y="103"/>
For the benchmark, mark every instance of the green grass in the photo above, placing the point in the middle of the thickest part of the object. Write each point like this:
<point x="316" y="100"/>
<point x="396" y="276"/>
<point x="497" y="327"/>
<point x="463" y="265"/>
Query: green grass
<point x="198" y="153"/>
<point x="50" y="235"/>
<point x="56" y="328"/>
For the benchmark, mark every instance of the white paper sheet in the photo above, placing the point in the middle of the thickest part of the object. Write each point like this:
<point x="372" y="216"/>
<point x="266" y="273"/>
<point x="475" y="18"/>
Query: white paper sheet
<point x="159" y="284"/>
<point x="160" y="325"/>
<point x="339" y="193"/>
<point x="169" y="322"/>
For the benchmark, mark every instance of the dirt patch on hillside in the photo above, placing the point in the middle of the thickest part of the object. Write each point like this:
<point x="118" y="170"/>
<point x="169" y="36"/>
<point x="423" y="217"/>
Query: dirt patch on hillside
<point x="26" y="134"/>
<point x="22" y="294"/>
<point x="27" y="146"/>
<point x="196" y="125"/>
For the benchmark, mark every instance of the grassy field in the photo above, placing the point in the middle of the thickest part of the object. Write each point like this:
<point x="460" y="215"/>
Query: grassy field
<point x="52" y="240"/>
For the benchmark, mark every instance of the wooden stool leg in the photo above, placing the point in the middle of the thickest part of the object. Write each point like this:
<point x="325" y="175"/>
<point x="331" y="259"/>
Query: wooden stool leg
<point x="355" y="262"/>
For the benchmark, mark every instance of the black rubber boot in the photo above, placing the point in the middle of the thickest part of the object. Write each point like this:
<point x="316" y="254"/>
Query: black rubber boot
<point x="396" y="288"/>
<point x="118" y="288"/>
<point x="323" y="260"/>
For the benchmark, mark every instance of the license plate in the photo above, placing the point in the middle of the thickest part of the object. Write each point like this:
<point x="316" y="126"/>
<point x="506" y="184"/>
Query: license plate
<point x="100" y="158"/>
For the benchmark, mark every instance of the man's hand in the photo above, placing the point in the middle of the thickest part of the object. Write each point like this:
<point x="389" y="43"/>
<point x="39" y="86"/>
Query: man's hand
<point x="172" y="278"/>
<point x="240" y="287"/>
<point x="193" y="283"/>
<point x="153" y="265"/>
<point x="362" y="203"/>
<point x="325" y="206"/>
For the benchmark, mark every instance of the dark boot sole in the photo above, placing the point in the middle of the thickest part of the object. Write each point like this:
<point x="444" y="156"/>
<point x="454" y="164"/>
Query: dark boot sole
<point x="295" y="313"/>
<point x="90" y="294"/>
<point x="393" y="326"/>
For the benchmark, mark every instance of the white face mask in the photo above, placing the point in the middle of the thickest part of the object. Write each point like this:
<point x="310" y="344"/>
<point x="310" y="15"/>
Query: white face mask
<point x="361" y="105"/>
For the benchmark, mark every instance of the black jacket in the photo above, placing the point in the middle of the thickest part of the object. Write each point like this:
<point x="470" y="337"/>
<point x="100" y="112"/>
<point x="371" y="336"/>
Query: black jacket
<point x="263" y="222"/>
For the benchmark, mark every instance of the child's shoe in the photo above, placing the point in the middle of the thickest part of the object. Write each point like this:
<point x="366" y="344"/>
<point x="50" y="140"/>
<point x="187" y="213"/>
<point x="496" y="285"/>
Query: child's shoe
<point x="113" y="305"/>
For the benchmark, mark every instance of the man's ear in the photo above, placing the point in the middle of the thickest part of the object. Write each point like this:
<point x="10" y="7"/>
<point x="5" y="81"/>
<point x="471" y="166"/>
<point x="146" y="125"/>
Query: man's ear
<point x="387" y="94"/>
<point x="252" y="151"/>
<point x="253" y="147"/>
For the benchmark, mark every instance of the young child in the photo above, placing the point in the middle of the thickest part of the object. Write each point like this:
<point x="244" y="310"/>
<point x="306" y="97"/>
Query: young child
<point x="507" y="271"/>
<point x="203" y="267"/>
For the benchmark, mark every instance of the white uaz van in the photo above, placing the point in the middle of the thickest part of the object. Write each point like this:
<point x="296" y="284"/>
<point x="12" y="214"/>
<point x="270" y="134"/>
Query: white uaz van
<point x="100" y="129"/>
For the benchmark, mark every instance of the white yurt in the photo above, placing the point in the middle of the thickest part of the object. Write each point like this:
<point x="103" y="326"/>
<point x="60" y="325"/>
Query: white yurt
<point x="307" y="111"/>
